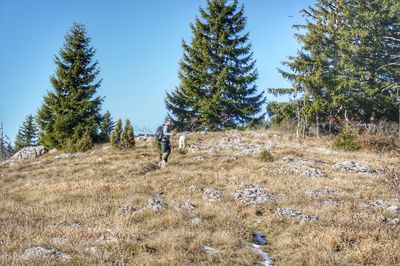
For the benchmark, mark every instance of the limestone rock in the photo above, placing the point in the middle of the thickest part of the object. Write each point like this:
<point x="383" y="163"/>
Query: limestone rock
<point x="250" y="195"/>
<point x="313" y="173"/>
<point x="27" y="153"/>
<point x="354" y="166"/>
<point x="196" y="221"/>
<point x="126" y="209"/>
<point x="327" y="191"/>
<point x="51" y="254"/>
<point x="105" y="240"/>
<point x="187" y="206"/>
<point x="293" y="214"/>
<point x="211" y="195"/>
<point x="157" y="204"/>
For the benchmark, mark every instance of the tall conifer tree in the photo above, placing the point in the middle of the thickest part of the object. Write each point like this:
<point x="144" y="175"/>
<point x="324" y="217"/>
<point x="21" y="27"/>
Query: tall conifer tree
<point x="106" y="127"/>
<point x="27" y="134"/>
<point x="71" y="110"/>
<point x="217" y="72"/>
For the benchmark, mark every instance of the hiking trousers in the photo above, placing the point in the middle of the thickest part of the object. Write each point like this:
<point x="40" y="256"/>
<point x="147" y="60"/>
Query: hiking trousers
<point x="165" y="150"/>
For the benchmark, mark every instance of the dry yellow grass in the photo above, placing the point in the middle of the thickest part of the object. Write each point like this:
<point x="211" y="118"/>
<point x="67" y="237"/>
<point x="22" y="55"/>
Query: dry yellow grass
<point x="78" y="199"/>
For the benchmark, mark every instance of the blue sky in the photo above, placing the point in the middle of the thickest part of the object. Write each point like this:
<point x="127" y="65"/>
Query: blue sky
<point x="138" y="46"/>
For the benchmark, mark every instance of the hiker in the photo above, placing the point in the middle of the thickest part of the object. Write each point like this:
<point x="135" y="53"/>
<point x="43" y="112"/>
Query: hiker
<point x="163" y="136"/>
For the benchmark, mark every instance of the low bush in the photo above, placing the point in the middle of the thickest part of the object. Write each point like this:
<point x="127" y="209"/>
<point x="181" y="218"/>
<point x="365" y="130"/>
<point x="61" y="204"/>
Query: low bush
<point x="346" y="140"/>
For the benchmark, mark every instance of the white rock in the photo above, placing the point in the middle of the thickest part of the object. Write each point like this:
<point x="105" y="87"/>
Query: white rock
<point x="104" y="240"/>
<point x="27" y="153"/>
<point x="211" y="195"/>
<point x="196" y="221"/>
<point x="267" y="261"/>
<point x="156" y="204"/>
<point x="209" y="250"/>
<point x="52" y="254"/>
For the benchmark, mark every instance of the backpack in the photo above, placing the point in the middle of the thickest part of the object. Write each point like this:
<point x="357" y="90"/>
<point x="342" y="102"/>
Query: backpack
<point x="160" y="133"/>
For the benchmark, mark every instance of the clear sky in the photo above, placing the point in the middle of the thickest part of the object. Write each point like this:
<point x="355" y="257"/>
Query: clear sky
<point x="138" y="45"/>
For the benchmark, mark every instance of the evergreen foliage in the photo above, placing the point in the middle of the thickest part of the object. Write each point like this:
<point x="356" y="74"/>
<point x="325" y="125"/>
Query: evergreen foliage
<point x="217" y="73"/>
<point x="346" y="61"/>
<point x="27" y="134"/>
<point x="106" y="127"/>
<point x="346" y="140"/>
<point x="71" y="111"/>
<point x="6" y="150"/>
<point x="127" y="136"/>
<point x="115" y="137"/>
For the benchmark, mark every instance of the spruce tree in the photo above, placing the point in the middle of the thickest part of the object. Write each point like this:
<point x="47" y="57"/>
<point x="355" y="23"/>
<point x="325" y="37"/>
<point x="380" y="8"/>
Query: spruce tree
<point x="338" y="70"/>
<point x="106" y="127"/>
<point x="27" y="134"/>
<point x="115" y="137"/>
<point x="217" y="72"/>
<point x="71" y="109"/>
<point x="6" y="150"/>
<point x="127" y="136"/>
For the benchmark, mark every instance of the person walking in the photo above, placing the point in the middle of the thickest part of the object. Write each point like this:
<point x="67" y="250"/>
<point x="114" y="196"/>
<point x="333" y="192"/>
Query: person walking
<point x="163" y="136"/>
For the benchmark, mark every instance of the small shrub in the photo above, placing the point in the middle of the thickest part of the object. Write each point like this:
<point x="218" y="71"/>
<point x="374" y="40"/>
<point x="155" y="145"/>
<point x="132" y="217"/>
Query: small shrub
<point x="265" y="156"/>
<point x="379" y="141"/>
<point x="115" y="137"/>
<point x="127" y="136"/>
<point x="81" y="144"/>
<point x="346" y="141"/>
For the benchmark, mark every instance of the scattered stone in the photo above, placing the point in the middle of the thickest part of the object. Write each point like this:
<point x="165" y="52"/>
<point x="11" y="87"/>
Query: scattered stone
<point x="289" y="170"/>
<point x="99" y="160"/>
<point x="336" y="203"/>
<point x="267" y="261"/>
<point x="27" y="153"/>
<point x="388" y="220"/>
<point x="2" y="242"/>
<point x="382" y="205"/>
<point x="60" y="241"/>
<point x="52" y="254"/>
<point x="187" y="206"/>
<point x="67" y="155"/>
<point x="354" y="166"/>
<point x="211" y="195"/>
<point x="198" y="158"/>
<point x="90" y="250"/>
<point x="259" y="238"/>
<point x="209" y="250"/>
<point x="313" y="173"/>
<point x="126" y="209"/>
<point x="196" y="221"/>
<point x="194" y="148"/>
<point x="293" y="214"/>
<point x="323" y="192"/>
<point x="157" y="204"/>
<point x="195" y="188"/>
<point x="250" y="195"/>
<point x="105" y="240"/>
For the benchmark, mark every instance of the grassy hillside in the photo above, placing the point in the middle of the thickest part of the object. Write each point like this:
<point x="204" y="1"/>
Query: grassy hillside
<point x="93" y="207"/>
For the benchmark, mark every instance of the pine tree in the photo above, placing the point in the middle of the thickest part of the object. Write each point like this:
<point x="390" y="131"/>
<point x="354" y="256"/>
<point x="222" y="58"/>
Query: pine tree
<point x="6" y="150"/>
<point x="217" y="72"/>
<point x="71" y="109"/>
<point x="115" y="137"/>
<point x="27" y="134"/>
<point x="127" y="136"/>
<point x="106" y="127"/>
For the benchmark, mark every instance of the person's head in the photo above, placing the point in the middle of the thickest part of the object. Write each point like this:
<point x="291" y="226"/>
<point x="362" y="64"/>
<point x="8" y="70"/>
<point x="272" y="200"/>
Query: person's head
<point x="168" y="121"/>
